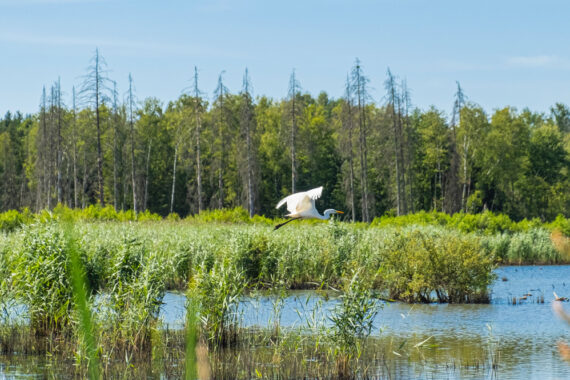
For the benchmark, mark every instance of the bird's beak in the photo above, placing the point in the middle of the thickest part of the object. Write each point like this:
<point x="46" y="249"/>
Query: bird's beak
<point x="340" y="212"/>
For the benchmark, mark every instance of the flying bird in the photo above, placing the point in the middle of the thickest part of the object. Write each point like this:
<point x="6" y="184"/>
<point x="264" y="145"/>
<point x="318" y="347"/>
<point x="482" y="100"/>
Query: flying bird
<point x="302" y="206"/>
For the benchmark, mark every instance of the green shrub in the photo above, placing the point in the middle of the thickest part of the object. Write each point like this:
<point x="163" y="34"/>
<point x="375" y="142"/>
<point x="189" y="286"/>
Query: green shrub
<point x="12" y="219"/>
<point x="561" y="223"/>
<point x="422" y="262"/>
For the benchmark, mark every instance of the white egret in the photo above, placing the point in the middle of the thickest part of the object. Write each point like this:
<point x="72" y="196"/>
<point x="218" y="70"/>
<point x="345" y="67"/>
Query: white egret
<point x="302" y="206"/>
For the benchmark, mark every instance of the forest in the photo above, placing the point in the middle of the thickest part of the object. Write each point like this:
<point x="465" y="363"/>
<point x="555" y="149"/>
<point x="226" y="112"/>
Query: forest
<point x="229" y="149"/>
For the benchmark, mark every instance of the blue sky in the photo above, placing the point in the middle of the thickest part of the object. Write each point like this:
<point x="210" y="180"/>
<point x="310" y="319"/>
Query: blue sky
<point x="502" y="52"/>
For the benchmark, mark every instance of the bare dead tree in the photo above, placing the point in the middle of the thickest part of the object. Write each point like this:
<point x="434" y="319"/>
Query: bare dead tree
<point x="59" y="146"/>
<point x="74" y="145"/>
<point x="247" y="125"/>
<point x="394" y="104"/>
<point x="409" y="141"/>
<point x="176" y="145"/>
<point x="146" y="177"/>
<point x="178" y="138"/>
<point x="131" y="116"/>
<point x="348" y="126"/>
<point x="359" y="88"/>
<point x="41" y="163"/>
<point x="458" y="105"/>
<point x="115" y="121"/>
<point x="220" y="95"/>
<point x="198" y="136"/>
<point x="294" y="109"/>
<point x="94" y="90"/>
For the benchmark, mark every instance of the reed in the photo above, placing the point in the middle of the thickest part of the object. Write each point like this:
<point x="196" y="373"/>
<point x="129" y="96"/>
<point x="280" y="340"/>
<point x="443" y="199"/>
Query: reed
<point x="80" y="298"/>
<point x="97" y="287"/>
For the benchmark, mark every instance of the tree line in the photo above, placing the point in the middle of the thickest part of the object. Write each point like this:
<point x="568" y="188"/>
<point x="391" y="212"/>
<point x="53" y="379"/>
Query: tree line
<point x="233" y="149"/>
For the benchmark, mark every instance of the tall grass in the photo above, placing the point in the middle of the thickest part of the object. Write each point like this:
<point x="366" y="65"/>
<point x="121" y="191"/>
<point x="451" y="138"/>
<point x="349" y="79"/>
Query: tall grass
<point x="80" y="297"/>
<point x="351" y="321"/>
<point x="103" y="280"/>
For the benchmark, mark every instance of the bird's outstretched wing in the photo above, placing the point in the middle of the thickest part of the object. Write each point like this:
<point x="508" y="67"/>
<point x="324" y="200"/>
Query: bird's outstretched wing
<point x="301" y="201"/>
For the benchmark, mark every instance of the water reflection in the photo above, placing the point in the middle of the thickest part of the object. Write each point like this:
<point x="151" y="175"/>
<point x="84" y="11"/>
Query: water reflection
<point x="462" y="341"/>
<point x="463" y="338"/>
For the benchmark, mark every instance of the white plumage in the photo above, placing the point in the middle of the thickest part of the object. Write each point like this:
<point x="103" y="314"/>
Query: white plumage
<point x="302" y="206"/>
<point x="299" y="204"/>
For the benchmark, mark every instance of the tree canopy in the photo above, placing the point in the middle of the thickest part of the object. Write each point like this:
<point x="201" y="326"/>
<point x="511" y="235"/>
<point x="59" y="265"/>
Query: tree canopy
<point x="237" y="149"/>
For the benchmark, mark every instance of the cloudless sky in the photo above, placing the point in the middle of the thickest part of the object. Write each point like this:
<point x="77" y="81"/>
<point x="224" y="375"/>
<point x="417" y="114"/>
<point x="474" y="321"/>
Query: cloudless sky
<point x="502" y="52"/>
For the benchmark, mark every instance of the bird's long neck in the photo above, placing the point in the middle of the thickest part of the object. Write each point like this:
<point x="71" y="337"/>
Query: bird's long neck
<point x="326" y="215"/>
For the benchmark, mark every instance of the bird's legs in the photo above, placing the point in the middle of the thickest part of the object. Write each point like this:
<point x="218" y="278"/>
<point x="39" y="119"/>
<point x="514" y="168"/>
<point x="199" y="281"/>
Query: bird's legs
<point x="284" y="223"/>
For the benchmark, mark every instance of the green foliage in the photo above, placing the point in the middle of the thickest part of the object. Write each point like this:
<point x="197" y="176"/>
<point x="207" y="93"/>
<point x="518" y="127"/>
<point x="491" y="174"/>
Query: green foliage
<point x="505" y="161"/>
<point x="422" y="262"/>
<point x="353" y="316"/>
<point x="531" y="246"/>
<point x="12" y="219"/>
<point x="125" y="268"/>
<point x="217" y="292"/>
<point x="487" y="222"/>
<point x="81" y="297"/>
<point x="234" y="215"/>
<point x="561" y="223"/>
<point x="249" y="254"/>
<point x="41" y="277"/>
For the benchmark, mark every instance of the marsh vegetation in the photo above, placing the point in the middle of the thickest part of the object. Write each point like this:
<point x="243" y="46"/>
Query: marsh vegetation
<point x="87" y="287"/>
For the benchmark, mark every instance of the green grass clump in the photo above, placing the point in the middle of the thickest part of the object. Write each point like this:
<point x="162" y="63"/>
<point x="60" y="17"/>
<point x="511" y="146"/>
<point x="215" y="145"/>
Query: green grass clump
<point x="41" y="279"/>
<point x="352" y="321"/>
<point x="217" y="292"/>
<point x="533" y="246"/>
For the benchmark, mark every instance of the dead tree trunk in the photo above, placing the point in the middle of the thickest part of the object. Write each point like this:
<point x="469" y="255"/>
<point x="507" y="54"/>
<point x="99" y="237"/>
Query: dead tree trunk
<point x="349" y="125"/>
<point x="131" y="103"/>
<point x="74" y="137"/>
<point x="294" y="89"/>
<point x="246" y="126"/>
<point x="146" y="176"/>
<point x="359" y="84"/>
<point x="94" y="90"/>
<point x="198" y="133"/>
<point x="392" y="103"/>
<point x="59" y="155"/>
<point x="173" y="177"/>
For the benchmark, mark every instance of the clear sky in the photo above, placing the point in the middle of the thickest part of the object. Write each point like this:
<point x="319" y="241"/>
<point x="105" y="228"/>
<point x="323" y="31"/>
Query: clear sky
<point x="502" y="52"/>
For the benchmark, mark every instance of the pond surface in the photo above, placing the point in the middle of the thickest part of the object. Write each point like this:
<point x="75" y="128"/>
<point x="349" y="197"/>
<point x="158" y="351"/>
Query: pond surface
<point x="524" y="335"/>
<point x="498" y="340"/>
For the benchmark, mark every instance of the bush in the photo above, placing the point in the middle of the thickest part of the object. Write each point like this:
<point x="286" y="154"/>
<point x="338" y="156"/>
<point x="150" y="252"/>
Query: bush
<point x="561" y="223"/>
<point x="421" y="263"/>
<point x="12" y="219"/>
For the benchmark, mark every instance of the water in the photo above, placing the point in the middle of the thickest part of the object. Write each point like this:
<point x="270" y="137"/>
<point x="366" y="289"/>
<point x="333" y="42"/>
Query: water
<point x="524" y="335"/>
<point x="463" y="341"/>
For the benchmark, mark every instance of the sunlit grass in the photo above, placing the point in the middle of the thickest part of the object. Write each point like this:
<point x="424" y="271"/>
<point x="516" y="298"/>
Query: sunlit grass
<point x="94" y="289"/>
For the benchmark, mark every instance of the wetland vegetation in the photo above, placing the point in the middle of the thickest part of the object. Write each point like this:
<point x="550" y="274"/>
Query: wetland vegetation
<point x="87" y="286"/>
